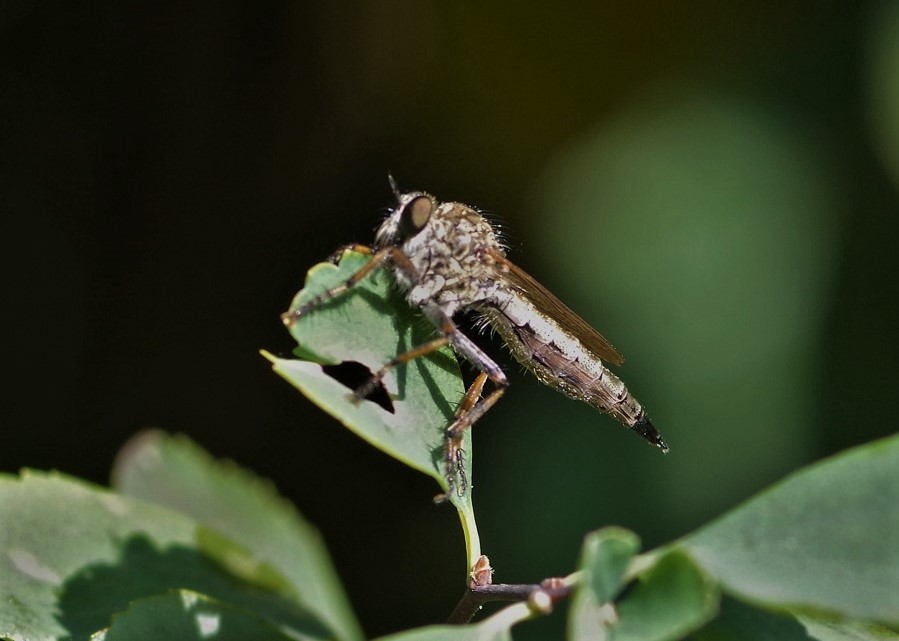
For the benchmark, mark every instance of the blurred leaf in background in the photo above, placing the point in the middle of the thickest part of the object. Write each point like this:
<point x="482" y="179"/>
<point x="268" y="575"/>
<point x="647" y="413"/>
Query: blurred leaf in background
<point x="697" y="231"/>
<point x="883" y="83"/>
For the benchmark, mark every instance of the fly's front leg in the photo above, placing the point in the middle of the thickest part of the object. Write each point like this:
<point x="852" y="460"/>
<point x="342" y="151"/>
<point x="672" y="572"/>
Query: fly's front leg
<point x="378" y="258"/>
<point x="402" y="262"/>
<point x="334" y="258"/>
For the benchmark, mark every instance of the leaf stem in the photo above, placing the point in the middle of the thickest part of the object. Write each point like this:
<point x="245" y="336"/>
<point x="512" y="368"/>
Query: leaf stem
<point x="470" y="530"/>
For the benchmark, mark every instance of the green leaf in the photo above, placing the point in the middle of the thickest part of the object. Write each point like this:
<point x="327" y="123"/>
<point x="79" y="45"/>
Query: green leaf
<point x="882" y="92"/>
<point x="671" y="597"/>
<point x="276" y="548"/>
<point x="737" y="621"/>
<point x="72" y="554"/>
<point x="495" y="628"/>
<point x="606" y="555"/>
<point x="187" y="616"/>
<point x="604" y="561"/>
<point x="475" y="632"/>
<point x="829" y="630"/>
<point x="826" y="538"/>
<point x="371" y="324"/>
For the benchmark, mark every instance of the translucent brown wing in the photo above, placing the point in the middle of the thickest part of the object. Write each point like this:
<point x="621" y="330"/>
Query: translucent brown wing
<point x="547" y="303"/>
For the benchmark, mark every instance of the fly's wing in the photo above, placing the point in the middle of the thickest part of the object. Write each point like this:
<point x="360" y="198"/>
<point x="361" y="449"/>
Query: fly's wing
<point x="548" y="304"/>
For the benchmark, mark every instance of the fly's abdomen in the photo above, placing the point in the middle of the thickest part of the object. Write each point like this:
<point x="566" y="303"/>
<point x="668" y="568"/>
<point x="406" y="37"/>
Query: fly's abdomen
<point x="612" y="396"/>
<point x="559" y="360"/>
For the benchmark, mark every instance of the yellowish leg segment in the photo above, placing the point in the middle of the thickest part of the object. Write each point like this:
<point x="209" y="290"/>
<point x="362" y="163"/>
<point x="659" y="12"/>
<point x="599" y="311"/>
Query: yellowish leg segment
<point x="470" y="410"/>
<point x="422" y="350"/>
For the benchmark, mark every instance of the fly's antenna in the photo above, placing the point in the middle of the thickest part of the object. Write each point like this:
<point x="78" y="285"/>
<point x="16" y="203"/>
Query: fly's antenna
<point x="393" y="186"/>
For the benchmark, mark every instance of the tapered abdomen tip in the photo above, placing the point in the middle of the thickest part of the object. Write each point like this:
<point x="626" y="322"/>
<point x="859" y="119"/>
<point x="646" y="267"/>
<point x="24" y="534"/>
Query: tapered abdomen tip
<point x="647" y="430"/>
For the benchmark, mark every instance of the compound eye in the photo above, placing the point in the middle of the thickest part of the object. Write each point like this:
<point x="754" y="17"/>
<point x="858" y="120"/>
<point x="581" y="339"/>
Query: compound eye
<point x="415" y="216"/>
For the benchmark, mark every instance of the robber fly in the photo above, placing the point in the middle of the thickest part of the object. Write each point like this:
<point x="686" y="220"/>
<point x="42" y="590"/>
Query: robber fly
<point x="446" y="258"/>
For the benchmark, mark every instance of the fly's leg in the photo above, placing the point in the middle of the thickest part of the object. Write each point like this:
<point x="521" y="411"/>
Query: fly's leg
<point x="472" y="407"/>
<point x="422" y="350"/>
<point x="334" y="258"/>
<point x="402" y="262"/>
<point x="470" y="410"/>
<point x="453" y="454"/>
<point x="378" y="258"/>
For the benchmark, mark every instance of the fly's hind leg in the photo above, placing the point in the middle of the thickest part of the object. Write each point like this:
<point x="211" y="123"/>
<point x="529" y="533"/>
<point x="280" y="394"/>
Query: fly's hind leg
<point x="472" y="407"/>
<point x="453" y="454"/>
<point x="470" y="410"/>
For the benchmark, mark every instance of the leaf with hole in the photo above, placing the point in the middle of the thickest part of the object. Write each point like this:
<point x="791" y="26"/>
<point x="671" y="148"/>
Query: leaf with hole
<point x="369" y="325"/>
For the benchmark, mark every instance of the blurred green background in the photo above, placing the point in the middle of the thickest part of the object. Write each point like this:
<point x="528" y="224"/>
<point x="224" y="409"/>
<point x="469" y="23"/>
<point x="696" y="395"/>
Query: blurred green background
<point x="712" y="185"/>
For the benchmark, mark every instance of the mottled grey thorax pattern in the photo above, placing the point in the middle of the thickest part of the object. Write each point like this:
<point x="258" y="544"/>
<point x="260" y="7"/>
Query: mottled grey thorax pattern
<point x="453" y="260"/>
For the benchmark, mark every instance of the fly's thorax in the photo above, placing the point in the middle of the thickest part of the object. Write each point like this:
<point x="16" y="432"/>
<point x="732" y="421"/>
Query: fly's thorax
<point x="453" y="257"/>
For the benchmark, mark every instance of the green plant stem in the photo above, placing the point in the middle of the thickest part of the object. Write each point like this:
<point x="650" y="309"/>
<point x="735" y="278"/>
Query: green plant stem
<point x="477" y="595"/>
<point x="470" y="530"/>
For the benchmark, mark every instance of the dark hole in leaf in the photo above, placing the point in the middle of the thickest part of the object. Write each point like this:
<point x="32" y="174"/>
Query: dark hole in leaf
<point x="353" y="375"/>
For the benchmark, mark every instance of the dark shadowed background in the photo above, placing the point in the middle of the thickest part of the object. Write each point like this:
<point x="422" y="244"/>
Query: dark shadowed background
<point x="712" y="185"/>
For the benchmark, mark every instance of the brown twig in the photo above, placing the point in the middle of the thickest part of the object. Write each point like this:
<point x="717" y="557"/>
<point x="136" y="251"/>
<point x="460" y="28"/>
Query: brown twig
<point x="478" y="595"/>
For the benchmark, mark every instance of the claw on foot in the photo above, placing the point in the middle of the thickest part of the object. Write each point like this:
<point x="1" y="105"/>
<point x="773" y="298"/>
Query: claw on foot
<point x="454" y="470"/>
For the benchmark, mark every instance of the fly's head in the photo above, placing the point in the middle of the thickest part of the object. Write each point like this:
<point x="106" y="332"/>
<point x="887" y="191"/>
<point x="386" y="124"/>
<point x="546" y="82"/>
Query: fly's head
<point x="427" y="230"/>
<point x="410" y="218"/>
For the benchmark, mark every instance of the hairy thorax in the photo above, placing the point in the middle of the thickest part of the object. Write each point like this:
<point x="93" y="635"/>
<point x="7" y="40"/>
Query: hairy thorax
<point x="454" y="260"/>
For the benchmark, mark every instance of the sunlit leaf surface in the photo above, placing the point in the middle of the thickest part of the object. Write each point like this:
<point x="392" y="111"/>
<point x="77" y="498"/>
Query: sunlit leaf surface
<point x="72" y="555"/>
<point x="284" y="552"/>
<point x="187" y="616"/>
<point x="825" y="538"/>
